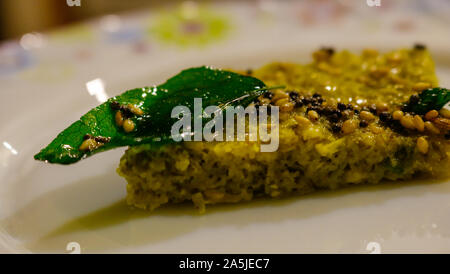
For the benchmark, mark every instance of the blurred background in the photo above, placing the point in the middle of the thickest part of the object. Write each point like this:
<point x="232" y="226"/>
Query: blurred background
<point x="21" y="16"/>
<point x="56" y="41"/>
<point x="18" y="17"/>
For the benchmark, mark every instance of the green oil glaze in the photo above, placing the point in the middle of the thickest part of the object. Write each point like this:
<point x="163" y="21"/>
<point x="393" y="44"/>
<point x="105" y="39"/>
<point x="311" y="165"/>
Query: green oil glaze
<point x="215" y="87"/>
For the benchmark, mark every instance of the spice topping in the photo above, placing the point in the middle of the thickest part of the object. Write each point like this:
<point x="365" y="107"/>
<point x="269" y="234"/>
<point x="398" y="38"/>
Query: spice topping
<point x="346" y="118"/>
<point x="91" y="142"/>
<point x="124" y="113"/>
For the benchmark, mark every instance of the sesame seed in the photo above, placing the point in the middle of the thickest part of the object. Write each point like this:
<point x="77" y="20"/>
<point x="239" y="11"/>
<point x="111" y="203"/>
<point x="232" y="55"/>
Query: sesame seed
<point x="119" y="118"/>
<point x="418" y="123"/>
<point x="397" y="115"/>
<point x="89" y="145"/>
<point x="422" y="145"/>
<point x="302" y="121"/>
<point x="365" y="115"/>
<point x="375" y="129"/>
<point x="313" y="115"/>
<point x="407" y="121"/>
<point x="430" y="115"/>
<point x="421" y="86"/>
<point x="348" y="126"/>
<point x="135" y="110"/>
<point x="442" y="123"/>
<point x="444" y="113"/>
<point x="128" y="125"/>
<point x="430" y="127"/>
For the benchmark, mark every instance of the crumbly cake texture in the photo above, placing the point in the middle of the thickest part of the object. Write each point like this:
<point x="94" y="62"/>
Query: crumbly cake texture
<point x="339" y="126"/>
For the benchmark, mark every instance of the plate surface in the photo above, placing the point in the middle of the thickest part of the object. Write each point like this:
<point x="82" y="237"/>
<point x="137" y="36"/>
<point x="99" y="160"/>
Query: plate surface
<point x="48" y="208"/>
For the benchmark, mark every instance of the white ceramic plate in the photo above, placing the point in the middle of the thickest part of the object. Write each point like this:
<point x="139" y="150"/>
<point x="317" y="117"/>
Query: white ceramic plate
<point x="45" y="208"/>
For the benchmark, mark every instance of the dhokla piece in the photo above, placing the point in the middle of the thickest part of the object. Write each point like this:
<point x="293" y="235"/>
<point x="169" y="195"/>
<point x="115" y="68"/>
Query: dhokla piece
<point x="343" y="121"/>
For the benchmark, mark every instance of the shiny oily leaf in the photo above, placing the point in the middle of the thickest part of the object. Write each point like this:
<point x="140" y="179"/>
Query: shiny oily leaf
<point x="214" y="86"/>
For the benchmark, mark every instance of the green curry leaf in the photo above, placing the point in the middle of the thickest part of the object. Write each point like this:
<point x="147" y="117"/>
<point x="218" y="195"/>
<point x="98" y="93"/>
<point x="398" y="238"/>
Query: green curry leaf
<point x="215" y="87"/>
<point x="429" y="99"/>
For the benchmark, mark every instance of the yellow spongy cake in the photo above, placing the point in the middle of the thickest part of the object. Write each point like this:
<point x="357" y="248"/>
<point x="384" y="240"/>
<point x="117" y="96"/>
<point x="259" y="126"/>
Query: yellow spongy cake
<point x="341" y="123"/>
